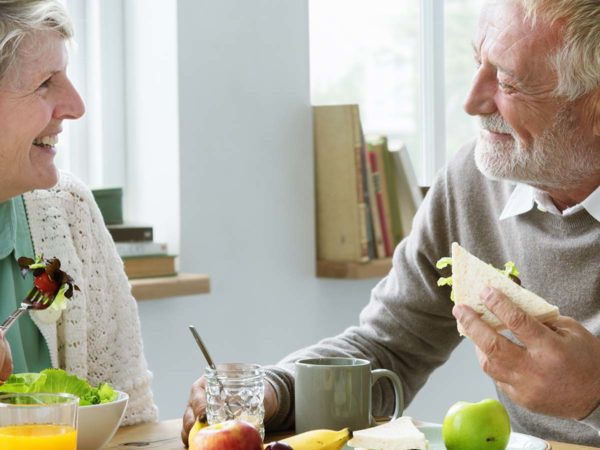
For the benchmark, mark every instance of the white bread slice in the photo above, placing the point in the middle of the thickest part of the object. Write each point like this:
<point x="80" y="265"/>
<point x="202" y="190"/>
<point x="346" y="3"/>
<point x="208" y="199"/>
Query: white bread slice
<point x="470" y="276"/>
<point x="399" y="434"/>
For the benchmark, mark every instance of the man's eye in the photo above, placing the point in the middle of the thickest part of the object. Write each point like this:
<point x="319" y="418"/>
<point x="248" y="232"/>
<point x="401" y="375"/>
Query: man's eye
<point x="506" y="87"/>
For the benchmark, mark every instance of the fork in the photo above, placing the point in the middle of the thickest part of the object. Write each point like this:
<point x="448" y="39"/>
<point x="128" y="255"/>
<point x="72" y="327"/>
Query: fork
<point x="35" y="300"/>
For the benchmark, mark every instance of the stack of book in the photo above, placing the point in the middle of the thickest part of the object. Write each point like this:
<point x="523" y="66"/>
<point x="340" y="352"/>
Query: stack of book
<point x="142" y="257"/>
<point x="366" y="193"/>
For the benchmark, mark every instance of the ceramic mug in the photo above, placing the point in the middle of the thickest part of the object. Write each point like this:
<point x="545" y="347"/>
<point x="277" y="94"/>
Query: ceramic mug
<point x="335" y="393"/>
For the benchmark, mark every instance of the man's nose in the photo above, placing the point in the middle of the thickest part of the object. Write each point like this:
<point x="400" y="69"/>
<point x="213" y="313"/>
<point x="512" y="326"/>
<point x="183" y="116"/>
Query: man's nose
<point x="481" y="97"/>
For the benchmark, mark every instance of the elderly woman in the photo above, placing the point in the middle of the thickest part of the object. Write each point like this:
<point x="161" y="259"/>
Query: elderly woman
<point x="42" y="211"/>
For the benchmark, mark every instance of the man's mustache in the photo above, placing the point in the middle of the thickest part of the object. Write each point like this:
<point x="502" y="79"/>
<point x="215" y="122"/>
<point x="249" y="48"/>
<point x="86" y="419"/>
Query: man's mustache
<point x="495" y="123"/>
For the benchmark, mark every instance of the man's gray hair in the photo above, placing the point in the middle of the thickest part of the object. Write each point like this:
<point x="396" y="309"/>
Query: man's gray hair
<point x="19" y="18"/>
<point x="577" y="62"/>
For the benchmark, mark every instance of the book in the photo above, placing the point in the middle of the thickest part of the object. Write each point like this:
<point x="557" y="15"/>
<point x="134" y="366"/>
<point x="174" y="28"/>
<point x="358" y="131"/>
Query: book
<point x="145" y="248"/>
<point x="341" y="212"/>
<point x="379" y="148"/>
<point x="408" y="190"/>
<point x="149" y="266"/>
<point x="130" y="233"/>
<point x="394" y="207"/>
<point x="378" y="203"/>
<point x="367" y="199"/>
<point x="110" y="202"/>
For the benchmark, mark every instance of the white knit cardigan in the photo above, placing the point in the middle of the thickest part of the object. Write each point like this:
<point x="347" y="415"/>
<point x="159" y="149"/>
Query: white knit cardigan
<point x="98" y="335"/>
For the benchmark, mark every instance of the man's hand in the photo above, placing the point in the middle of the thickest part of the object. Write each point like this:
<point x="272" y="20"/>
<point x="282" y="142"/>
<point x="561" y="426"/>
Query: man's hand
<point x="6" y="366"/>
<point x="556" y="370"/>
<point x="197" y="405"/>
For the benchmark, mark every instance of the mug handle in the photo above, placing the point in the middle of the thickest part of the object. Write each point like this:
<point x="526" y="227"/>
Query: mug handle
<point x="398" y="391"/>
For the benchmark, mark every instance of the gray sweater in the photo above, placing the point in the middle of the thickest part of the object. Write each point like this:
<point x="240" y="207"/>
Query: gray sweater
<point x="407" y="325"/>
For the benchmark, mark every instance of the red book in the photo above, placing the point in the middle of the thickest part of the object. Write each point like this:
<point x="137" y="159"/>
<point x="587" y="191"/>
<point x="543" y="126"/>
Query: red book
<point x="378" y="188"/>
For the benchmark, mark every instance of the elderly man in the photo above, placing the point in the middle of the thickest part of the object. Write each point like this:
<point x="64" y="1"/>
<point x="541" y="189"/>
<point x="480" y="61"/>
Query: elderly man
<point x="526" y="190"/>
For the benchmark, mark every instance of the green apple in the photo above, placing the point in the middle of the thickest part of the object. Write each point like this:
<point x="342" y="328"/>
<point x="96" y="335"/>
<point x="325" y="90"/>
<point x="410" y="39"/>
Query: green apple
<point x="476" y="426"/>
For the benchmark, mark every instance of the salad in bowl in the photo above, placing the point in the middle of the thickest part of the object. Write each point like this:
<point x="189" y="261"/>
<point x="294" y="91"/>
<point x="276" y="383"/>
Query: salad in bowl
<point x="101" y="408"/>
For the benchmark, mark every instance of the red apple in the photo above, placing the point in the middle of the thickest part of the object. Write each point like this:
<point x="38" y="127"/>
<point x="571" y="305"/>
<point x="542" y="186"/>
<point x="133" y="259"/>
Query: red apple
<point x="229" y="435"/>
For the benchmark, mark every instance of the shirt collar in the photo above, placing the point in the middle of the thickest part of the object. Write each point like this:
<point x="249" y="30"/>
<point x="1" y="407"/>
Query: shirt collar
<point x="8" y="228"/>
<point x="524" y="198"/>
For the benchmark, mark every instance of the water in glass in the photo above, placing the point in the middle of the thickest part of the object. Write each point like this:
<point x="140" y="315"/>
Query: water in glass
<point x="236" y="391"/>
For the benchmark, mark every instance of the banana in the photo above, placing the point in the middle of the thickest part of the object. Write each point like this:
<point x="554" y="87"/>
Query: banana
<point x="319" y="440"/>
<point x="200" y="423"/>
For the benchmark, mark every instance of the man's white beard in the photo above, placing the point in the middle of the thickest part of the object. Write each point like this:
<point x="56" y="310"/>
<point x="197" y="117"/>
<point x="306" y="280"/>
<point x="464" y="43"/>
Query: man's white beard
<point x="559" y="159"/>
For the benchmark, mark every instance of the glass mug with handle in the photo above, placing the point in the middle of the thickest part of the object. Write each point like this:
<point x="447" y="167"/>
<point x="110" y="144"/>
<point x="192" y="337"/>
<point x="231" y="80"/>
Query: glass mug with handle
<point x="335" y="393"/>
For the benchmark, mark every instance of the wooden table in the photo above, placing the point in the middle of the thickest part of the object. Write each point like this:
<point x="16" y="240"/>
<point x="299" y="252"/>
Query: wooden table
<point x="166" y="436"/>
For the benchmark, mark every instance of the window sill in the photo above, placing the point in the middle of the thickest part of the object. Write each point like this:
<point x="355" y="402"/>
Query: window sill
<point x="175" y="286"/>
<point x="354" y="270"/>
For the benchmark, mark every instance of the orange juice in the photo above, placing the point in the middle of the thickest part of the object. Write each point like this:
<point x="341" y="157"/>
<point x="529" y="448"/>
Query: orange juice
<point x="38" y="437"/>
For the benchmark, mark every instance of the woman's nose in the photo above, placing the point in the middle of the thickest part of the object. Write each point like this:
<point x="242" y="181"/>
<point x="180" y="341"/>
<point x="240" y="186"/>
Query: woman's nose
<point x="70" y="104"/>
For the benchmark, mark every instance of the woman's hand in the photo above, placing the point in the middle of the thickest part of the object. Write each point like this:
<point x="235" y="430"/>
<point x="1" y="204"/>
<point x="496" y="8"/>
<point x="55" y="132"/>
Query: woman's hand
<point x="197" y="405"/>
<point x="6" y="366"/>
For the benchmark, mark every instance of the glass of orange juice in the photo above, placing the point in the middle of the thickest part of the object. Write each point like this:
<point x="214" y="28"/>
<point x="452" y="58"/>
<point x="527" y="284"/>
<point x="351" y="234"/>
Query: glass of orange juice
<point x="38" y="421"/>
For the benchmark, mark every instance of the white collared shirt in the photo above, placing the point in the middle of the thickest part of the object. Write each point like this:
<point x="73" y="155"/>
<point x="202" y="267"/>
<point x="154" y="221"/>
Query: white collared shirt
<point x="525" y="197"/>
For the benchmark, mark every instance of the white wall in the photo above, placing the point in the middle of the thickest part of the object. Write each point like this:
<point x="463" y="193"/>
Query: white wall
<point x="247" y="208"/>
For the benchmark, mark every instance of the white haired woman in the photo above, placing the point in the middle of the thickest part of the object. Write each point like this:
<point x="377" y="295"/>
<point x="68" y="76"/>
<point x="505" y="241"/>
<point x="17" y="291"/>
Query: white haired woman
<point x="43" y="211"/>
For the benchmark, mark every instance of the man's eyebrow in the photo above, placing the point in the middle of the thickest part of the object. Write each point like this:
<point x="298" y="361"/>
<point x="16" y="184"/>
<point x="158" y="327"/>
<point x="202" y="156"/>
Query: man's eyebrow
<point x="503" y="69"/>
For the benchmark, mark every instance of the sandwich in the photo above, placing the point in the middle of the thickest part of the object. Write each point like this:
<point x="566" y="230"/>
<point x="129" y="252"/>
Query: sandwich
<point x="399" y="434"/>
<point x="470" y="276"/>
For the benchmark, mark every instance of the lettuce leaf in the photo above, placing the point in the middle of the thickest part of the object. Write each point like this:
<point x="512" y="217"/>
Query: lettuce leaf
<point x="510" y="271"/>
<point x="57" y="380"/>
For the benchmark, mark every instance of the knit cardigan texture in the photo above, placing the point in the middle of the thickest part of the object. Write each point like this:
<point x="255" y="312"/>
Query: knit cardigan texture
<point x="408" y="326"/>
<point x="98" y="336"/>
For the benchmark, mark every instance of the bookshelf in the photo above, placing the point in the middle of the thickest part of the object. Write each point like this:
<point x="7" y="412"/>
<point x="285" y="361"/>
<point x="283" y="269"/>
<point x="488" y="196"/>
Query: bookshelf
<point x="376" y="268"/>
<point x="366" y="196"/>
<point x="175" y="286"/>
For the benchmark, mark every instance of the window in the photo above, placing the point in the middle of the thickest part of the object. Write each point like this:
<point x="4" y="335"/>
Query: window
<point x="407" y="64"/>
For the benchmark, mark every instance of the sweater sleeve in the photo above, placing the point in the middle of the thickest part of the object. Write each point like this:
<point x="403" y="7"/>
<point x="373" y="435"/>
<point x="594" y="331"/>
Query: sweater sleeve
<point x="124" y="363"/>
<point x="406" y="327"/>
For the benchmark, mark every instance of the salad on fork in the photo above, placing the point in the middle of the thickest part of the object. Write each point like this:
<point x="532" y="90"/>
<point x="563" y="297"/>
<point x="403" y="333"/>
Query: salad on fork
<point x="52" y="287"/>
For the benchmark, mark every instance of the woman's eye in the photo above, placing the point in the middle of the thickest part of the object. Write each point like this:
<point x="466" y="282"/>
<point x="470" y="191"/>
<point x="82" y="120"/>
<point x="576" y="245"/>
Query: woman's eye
<point x="44" y="84"/>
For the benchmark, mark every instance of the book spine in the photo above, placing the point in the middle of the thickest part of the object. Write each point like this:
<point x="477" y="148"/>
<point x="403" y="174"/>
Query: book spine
<point x="390" y="178"/>
<point x="411" y="177"/>
<point x="131" y="234"/>
<point x="375" y="217"/>
<point x="368" y="200"/>
<point x="377" y="184"/>
<point x="379" y="149"/>
<point x="362" y="207"/>
<point x="126" y="249"/>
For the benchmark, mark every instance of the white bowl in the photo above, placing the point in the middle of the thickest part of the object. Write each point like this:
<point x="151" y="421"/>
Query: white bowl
<point x="99" y="423"/>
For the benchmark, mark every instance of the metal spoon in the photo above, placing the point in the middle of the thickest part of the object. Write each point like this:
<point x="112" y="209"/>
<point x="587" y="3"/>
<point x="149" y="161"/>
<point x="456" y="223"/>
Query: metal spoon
<point x="212" y="365"/>
<point x="203" y="348"/>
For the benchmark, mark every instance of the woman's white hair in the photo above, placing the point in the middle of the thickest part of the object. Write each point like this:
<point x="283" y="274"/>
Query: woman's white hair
<point x="19" y="18"/>
<point x="577" y="62"/>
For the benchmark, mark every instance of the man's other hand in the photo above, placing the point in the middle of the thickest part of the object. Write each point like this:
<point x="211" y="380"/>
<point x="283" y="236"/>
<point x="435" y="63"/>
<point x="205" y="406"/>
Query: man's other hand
<point x="196" y="406"/>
